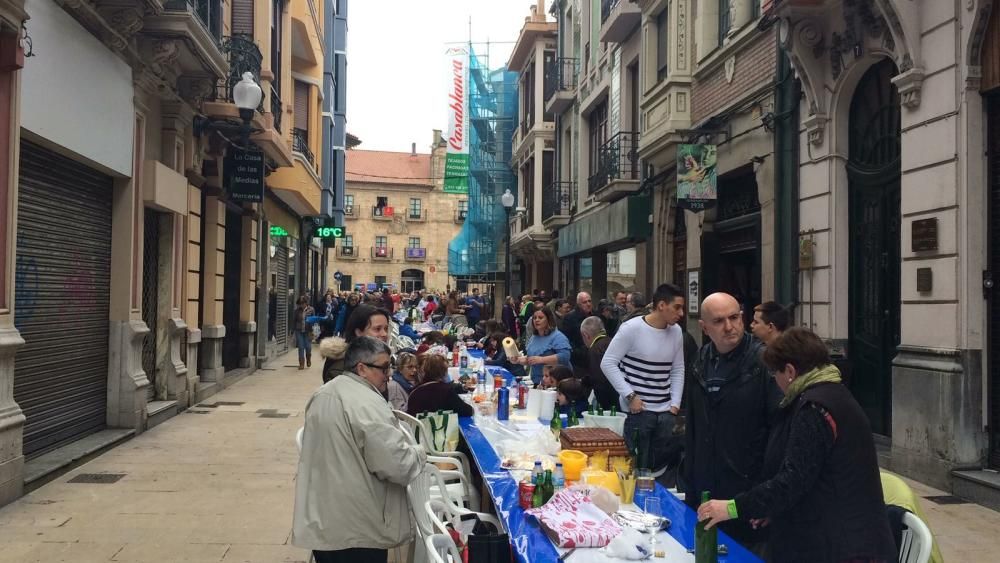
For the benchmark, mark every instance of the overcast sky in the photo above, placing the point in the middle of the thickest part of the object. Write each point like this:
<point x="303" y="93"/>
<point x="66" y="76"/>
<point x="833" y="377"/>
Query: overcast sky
<point x="397" y="78"/>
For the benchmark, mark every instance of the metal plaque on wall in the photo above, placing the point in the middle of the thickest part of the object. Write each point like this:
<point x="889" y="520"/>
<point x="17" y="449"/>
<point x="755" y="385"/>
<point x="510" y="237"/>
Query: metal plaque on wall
<point x="244" y="175"/>
<point x="924" y="236"/>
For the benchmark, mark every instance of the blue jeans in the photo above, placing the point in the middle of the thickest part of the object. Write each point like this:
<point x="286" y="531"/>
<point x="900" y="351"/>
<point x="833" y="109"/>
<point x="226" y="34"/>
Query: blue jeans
<point x="651" y="432"/>
<point x="304" y="344"/>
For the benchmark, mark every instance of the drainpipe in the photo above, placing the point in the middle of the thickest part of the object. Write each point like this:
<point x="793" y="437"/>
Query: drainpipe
<point x="786" y="150"/>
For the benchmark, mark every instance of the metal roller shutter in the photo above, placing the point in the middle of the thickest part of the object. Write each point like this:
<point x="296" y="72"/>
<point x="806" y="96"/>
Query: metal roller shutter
<point x="281" y="294"/>
<point x="301" y="106"/>
<point x="243" y="17"/>
<point x="62" y="298"/>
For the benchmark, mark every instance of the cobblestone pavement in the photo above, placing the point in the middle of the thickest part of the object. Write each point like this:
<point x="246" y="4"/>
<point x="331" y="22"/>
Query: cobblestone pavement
<point x="215" y="484"/>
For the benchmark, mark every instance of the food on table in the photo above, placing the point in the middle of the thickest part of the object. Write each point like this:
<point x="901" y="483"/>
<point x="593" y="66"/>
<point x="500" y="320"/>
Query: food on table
<point x="599" y="460"/>
<point x="479" y="397"/>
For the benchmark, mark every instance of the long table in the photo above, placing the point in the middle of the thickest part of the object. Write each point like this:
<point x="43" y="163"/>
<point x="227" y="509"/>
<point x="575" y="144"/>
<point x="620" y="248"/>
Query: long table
<point x="530" y="543"/>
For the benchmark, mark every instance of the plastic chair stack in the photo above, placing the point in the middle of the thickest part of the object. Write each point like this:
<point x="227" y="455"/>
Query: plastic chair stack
<point x="459" y="479"/>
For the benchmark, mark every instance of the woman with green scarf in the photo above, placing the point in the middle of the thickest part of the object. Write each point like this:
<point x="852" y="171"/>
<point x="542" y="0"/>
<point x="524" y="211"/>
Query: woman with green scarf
<point x="822" y="497"/>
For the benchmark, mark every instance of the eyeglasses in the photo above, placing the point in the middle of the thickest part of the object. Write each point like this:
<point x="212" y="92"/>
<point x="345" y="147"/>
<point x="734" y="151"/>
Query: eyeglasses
<point x="383" y="369"/>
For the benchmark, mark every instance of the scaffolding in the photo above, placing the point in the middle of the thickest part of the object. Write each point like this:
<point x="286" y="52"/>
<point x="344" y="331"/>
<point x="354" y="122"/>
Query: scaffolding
<point x="476" y="254"/>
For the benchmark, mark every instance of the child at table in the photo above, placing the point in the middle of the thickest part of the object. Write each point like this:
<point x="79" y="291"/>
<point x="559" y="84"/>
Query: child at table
<point x="552" y="375"/>
<point x="571" y="395"/>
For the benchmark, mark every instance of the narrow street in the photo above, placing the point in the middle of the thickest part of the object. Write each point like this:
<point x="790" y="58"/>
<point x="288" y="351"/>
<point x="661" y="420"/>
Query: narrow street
<point x="212" y="484"/>
<point x="215" y="484"/>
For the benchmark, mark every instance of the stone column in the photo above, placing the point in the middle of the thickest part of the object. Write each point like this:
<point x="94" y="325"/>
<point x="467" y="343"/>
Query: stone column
<point x="193" y="344"/>
<point x="212" y="330"/>
<point x="11" y="420"/>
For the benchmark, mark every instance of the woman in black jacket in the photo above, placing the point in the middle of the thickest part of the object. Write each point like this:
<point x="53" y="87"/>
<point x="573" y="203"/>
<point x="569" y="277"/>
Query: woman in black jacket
<point x="822" y="497"/>
<point x="434" y="394"/>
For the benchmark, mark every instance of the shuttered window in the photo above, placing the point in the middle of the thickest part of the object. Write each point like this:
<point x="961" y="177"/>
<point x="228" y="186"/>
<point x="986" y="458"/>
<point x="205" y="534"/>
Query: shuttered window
<point x="242" y="17"/>
<point x="301" y="106"/>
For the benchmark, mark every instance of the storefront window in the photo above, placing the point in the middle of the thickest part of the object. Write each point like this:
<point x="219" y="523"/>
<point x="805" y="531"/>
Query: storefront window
<point x="585" y="270"/>
<point x="621" y="271"/>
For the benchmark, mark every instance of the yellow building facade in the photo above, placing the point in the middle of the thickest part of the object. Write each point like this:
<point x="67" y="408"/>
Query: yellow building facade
<point x="398" y="221"/>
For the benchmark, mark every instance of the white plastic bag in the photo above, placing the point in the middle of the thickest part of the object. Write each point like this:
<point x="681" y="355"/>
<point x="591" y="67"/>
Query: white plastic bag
<point x="630" y="544"/>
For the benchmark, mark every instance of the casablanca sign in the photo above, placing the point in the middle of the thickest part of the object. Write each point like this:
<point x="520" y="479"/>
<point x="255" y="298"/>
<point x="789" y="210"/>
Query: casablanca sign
<point x="456" y="165"/>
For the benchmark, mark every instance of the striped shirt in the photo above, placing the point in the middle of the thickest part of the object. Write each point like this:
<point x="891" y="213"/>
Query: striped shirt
<point x="648" y="361"/>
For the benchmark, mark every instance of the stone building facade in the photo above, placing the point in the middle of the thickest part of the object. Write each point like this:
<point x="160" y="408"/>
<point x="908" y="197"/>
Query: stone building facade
<point x="398" y="220"/>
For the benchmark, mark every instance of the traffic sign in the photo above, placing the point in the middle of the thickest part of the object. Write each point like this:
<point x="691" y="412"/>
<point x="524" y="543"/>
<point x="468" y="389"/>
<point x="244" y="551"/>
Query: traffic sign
<point x="337" y="276"/>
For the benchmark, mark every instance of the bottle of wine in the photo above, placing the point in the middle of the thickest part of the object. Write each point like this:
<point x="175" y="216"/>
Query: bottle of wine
<point x="548" y="489"/>
<point x="593" y="407"/>
<point x="555" y="426"/>
<point x="538" y="497"/>
<point x="706" y="542"/>
<point x="573" y="421"/>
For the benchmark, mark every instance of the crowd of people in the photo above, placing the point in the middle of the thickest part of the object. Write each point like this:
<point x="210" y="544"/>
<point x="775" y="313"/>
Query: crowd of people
<point x="760" y="419"/>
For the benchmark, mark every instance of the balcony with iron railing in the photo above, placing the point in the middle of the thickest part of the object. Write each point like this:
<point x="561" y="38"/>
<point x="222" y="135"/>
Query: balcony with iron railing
<point x="300" y="144"/>
<point x="558" y="203"/>
<point x="276" y="108"/>
<point x="617" y="169"/>
<point x="619" y="19"/>
<point x="381" y="253"/>
<point x="349" y="212"/>
<point x="347" y="252"/>
<point x="461" y="215"/>
<point x="207" y="12"/>
<point x="416" y="214"/>
<point x="383" y="213"/>
<point x="416" y="254"/>
<point x="560" y="84"/>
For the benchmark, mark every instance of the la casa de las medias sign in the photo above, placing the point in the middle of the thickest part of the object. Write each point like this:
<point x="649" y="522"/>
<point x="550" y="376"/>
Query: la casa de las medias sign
<point x="244" y="175"/>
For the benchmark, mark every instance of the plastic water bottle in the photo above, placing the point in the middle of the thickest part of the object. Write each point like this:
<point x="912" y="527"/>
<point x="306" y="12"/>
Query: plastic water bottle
<point x="463" y="358"/>
<point x="536" y="472"/>
<point x="563" y="421"/>
<point x="559" y="478"/>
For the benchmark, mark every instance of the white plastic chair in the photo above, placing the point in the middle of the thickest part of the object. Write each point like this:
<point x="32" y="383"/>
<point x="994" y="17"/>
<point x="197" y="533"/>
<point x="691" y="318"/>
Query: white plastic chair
<point x="917" y="540"/>
<point x="432" y="507"/>
<point x="441" y="549"/>
<point x="458" y="460"/>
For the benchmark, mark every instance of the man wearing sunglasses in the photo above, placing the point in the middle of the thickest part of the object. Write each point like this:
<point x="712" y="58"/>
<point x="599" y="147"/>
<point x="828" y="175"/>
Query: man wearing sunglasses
<point x="350" y="491"/>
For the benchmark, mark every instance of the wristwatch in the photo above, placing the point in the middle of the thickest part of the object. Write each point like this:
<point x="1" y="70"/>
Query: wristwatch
<point x="630" y="396"/>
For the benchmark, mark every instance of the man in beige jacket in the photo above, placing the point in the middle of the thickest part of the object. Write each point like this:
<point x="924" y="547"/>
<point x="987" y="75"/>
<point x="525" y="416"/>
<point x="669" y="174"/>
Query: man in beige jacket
<point x="350" y="490"/>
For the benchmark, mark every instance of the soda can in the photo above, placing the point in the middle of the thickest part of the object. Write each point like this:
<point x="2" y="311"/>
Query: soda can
<point x="498" y="381"/>
<point x="503" y="403"/>
<point x="525" y="491"/>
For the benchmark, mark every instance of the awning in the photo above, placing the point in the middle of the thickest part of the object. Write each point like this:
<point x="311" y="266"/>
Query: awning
<point x="626" y="220"/>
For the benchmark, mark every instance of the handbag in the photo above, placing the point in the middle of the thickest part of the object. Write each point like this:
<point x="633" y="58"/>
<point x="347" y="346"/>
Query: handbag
<point x="441" y="429"/>
<point x="486" y="544"/>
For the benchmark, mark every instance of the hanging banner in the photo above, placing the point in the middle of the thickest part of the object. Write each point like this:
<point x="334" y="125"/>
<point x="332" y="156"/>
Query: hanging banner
<point x="697" y="182"/>
<point x="456" y="164"/>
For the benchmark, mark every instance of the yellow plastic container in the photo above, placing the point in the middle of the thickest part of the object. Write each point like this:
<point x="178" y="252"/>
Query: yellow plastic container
<point x="573" y="463"/>
<point x="605" y="479"/>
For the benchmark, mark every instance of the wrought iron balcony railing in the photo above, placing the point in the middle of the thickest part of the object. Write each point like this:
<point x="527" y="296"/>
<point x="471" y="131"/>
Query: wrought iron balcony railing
<point x="461" y="215"/>
<point x="381" y="253"/>
<point x="416" y="214"/>
<point x="243" y="56"/>
<point x="208" y="12"/>
<point x="347" y="252"/>
<point x="617" y="159"/>
<point x="607" y="6"/>
<point x="559" y="199"/>
<point x="560" y="75"/>
<point x="300" y="144"/>
<point x="416" y="253"/>
<point x="276" y="108"/>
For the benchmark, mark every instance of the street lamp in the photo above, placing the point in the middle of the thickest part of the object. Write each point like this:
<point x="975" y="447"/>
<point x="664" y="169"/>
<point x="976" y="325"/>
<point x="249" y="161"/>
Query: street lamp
<point x="507" y="200"/>
<point x="247" y="95"/>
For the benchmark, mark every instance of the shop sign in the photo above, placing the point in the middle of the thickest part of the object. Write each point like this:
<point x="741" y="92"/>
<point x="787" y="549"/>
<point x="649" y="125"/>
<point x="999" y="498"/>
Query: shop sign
<point x="244" y="175"/>
<point x="278" y="231"/>
<point x="697" y="180"/>
<point x="693" y="292"/>
<point x="456" y="164"/>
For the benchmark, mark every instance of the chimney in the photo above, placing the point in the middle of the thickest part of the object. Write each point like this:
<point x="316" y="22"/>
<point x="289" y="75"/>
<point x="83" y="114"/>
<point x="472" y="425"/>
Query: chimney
<point x="540" y="10"/>
<point x="413" y="149"/>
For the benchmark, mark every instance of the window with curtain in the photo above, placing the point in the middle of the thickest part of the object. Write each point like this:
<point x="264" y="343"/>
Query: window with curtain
<point x="348" y="204"/>
<point x="662" y="23"/>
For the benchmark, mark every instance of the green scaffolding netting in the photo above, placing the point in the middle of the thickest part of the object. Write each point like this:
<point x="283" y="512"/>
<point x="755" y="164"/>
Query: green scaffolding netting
<point x="477" y="251"/>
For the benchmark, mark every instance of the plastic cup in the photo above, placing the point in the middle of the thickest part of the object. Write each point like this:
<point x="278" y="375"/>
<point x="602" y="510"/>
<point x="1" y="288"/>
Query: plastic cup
<point x="627" y="484"/>
<point x="573" y="463"/>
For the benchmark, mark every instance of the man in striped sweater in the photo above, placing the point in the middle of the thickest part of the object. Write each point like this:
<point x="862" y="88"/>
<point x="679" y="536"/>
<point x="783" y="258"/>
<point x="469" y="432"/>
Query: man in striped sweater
<point x="645" y="365"/>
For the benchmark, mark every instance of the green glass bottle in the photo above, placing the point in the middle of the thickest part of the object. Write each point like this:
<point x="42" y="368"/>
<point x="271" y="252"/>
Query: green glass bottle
<point x="555" y="425"/>
<point x="548" y="489"/>
<point x="537" y="497"/>
<point x="706" y="542"/>
<point x="614" y="409"/>
<point x="573" y="421"/>
<point x="593" y="407"/>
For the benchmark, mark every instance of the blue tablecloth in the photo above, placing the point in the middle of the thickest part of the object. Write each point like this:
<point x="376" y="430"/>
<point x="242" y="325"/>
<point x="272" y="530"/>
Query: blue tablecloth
<point x="529" y="541"/>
